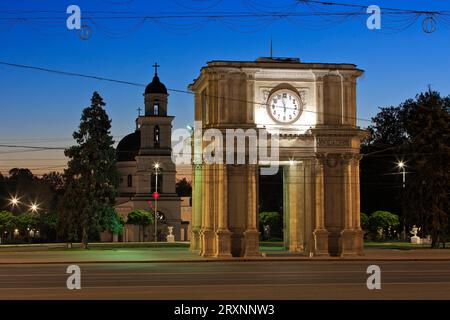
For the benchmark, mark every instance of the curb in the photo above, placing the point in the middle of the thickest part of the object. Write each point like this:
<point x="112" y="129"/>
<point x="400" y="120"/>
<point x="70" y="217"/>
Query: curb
<point x="225" y="260"/>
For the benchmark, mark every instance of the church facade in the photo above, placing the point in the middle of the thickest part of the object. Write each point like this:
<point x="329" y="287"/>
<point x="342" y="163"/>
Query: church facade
<point x="311" y="107"/>
<point x="145" y="166"/>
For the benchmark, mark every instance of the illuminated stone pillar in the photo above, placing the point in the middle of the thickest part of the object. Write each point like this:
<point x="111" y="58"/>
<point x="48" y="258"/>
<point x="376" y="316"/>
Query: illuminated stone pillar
<point x="223" y="234"/>
<point x="293" y="188"/>
<point x="320" y="234"/>
<point x="196" y="220"/>
<point x="351" y="235"/>
<point x="251" y="234"/>
<point x="207" y="231"/>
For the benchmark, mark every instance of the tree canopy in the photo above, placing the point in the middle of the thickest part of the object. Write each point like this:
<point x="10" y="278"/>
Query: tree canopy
<point x="92" y="176"/>
<point x="417" y="132"/>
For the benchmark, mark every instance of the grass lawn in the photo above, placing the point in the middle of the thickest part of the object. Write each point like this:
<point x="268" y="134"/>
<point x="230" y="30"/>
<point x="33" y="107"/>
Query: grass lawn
<point x="392" y="244"/>
<point x="265" y="246"/>
<point x="400" y="245"/>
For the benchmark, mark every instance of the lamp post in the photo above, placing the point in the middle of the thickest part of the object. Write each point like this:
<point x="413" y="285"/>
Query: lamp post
<point x="401" y="166"/>
<point x="156" y="166"/>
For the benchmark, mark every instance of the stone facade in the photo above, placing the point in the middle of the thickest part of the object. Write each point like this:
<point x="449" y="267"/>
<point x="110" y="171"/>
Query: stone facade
<point x="318" y="153"/>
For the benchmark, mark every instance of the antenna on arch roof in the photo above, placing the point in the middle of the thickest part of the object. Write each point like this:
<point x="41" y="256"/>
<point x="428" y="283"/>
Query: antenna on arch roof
<point x="270" y="47"/>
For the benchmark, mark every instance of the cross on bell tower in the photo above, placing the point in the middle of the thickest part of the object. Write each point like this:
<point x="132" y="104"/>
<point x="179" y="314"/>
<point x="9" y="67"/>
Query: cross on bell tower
<point x="156" y="65"/>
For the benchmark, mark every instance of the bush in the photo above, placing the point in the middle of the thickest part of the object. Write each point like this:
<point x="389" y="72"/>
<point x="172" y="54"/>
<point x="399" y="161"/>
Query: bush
<point x="364" y="221"/>
<point x="142" y="218"/>
<point x="274" y="221"/>
<point x="115" y="222"/>
<point x="383" y="221"/>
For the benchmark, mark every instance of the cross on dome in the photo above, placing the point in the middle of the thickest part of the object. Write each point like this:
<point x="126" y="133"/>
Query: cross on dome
<point x="156" y="65"/>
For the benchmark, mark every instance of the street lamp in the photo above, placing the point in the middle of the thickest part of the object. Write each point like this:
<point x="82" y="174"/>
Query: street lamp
<point x="14" y="201"/>
<point x="156" y="166"/>
<point x="401" y="166"/>
<point x="34" y="207"/>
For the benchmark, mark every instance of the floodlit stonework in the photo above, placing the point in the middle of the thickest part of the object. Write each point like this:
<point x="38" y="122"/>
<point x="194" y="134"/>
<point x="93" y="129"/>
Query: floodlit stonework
<point x="313" y="108"/>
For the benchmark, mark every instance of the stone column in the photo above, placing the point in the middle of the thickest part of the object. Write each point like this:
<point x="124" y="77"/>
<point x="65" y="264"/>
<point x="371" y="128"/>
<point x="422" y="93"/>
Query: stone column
<point x="293" y="204"/>
<point x="223" y="234"/>
<point x="350" y="242"/>
<point x="356" y="188"/>
<point x="207" y="231"/>
<point x="347" y="188"/>
<point x="320" y="234"/>
<point x="359" y="234"/>
<point x="196" y="220"/>
<point x="251" y="234"/>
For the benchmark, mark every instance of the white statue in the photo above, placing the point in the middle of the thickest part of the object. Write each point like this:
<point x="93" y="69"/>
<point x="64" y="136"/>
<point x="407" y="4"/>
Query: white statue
<point x="170" y="237"/>
<point x="415" y="239"/>
<point x="414" y="230"/>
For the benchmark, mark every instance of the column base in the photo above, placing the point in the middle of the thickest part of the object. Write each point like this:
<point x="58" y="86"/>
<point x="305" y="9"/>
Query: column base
<point x="296" y="247"/>
<point x="320" y="237"/>
<point x="194" y="243"/>
<point x="351" y="242"/>
<point x="251" y="243"/>
<point x="223" y="244"/>
<point x="207" y="242"/>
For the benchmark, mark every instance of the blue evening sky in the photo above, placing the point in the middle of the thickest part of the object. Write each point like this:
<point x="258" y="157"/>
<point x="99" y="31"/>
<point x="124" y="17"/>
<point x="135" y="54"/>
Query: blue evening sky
<point x="39" y="108"/>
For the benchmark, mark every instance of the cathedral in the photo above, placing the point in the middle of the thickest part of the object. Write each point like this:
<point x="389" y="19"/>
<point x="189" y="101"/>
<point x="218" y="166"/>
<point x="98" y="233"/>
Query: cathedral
<point x="145" y="166"/>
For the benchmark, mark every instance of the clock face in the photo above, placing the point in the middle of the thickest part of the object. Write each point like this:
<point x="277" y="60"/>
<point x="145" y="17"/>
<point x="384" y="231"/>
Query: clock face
<point x="284" y="106"/>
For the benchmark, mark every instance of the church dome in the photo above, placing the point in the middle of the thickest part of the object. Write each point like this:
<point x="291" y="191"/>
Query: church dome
<point x="156" y="86"/>
<point x="128" y="147"/>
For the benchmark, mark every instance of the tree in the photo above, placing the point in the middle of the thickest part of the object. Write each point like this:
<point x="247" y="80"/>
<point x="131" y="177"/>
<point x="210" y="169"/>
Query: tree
<point x="24" y="223"/>
<point x="416" y="132"/>
<point x="92" y="176"/>
<point x="114" y="222"/>
<point x="427" y="196"/>
<point x="21" y="173"/>
<point x="47" y="223"/>
<point x="54" y="179"/>
<point x="6" y="224"/>
<point x="184" y="188"/>
<point x="382" y="221"/>
<point x="364" y="221"/>
<point x="142" y="218"/>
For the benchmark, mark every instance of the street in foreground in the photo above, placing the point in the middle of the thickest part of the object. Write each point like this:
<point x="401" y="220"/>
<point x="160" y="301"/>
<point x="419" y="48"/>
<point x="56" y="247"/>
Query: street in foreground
<point x="229" y="280"/>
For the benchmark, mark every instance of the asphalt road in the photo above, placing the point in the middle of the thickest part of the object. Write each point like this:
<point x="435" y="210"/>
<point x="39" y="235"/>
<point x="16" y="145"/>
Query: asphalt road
<point x="229" y="280"/>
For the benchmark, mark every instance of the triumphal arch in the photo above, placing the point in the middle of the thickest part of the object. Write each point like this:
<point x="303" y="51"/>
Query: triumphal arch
<point x="311" y="109"/>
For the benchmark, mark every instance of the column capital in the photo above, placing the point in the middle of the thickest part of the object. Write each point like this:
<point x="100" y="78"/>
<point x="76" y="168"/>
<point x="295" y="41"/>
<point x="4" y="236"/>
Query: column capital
<point x="346" y="158"/>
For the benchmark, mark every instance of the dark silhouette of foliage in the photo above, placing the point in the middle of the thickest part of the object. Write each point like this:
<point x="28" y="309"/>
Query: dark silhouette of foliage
<point x="92" y="176"/>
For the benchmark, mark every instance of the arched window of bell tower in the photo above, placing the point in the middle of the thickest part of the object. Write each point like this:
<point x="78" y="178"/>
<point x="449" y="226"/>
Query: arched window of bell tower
<point x="156" y="136"/>
<point x="156" y="108"/>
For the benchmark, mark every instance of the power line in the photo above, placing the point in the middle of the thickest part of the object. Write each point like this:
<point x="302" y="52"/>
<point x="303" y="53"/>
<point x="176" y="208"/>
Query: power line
<point x="31" y="147"/>
<point x="74" y="74"/>
<point x="360" y="6"/>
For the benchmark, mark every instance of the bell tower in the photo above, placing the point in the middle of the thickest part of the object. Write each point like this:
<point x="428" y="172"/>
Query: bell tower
<point x="155" y="125"/>
<point x="155" y="96"/>
<point x="155" y="128"/>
